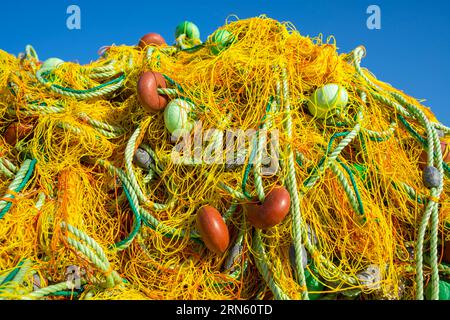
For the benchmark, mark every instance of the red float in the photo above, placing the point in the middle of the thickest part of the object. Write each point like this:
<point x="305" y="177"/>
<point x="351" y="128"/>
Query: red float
<point x="272" y="211"/>
<point x="213" y="229"/>
<point x="17" y="131"/>
<point x="153" y="39"/>
<point x="148" y="91"/>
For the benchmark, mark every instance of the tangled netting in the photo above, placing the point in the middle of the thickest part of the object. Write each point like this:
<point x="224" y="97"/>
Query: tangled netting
<point x="82" y="218"/>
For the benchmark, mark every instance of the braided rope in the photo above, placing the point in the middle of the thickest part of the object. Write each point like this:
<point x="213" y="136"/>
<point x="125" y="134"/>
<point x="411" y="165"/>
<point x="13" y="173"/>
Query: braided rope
<point x="21" y="178"/>
<point x="9" y="165"/>
<point x="123" y="177"/>
<point x="310" y="246"/>
<point x="39" y="294"/>
<point x="432" y="209"/>
<point x="44" y="109"/>
<point x="261" y="141"/>
<point x="41" y="201"/>
<point x="310" y="182"/>
<point x="236" y="194"/>
<point x="23" y="271"/>
<point x="104" y="74"/>
<point x="15" y="278"/>
<point x="149" y="219"/>
<point x="412" y="193"/>
<point x="231" y="210"/>
<point x="83" y="236"/>
<point x="125" y="243"/>
<point x="31" y="53"/>
<point x="299" y="230"/>
<point x="381" y="134"/>
<point x="5" y="171"/>
<point x="91" y="93"/>
<point x="98" y="258"/>
<point x="102" y="125"/>
<point x="129" y="154"/>
<point x="358" y="54"/>
<point x="260" y="259"/>
<point x="173" y="93"/>
<point x="348" y="190"/>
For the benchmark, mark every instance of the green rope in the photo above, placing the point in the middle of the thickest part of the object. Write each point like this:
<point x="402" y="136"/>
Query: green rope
<point x="65" y="293"/>
<point x="299" y="229"/>
<point x="83" y="236"/>
<point x="231" y="210"/>
<point x="411" y="193"/>
<point x="355" y="187"/>
<point x="309" y="183"/>
<point x="432" y="208"/>
<point x="121" y="245"/>
<point x="47" y="291"/>
<point x="12" y="274"/>
<point x="9" y="165"/>
<point x="98" y="258"/>
<point x="173" y="83"/>
<point x="434" y="153"/>
<point x="258" y="155"/>
<point x="19" y="182"/>
<point x="148" y="219"/>
<point x="116" y="131"/>
<point x="347" y="188"/>
<point x="236" y="194"/>
<point x="327" y="160"/>
<point x="5" y="171"/>
<point x="100" y="90"/>
<point x="31" y="52"/>
<point x="129" y="154"/>
<point x="422" y="141"/>
<point x="256" y="152"/>
<point x="261" y="264"/>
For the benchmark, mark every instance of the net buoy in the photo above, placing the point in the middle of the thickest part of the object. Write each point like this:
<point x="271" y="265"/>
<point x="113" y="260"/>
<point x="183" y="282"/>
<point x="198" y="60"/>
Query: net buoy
<point x="272" y="211"/>
<point x="220" y="40"/>
<point x="143" y="159"/>
<point x="189" y="29"/>
<point x="213" y="230"/>
<point x="147" y="88"/>
<point x="151" y="39"/>
<point x="327" y="100"/>
<point x="176" y="115"/>
<point x="51" y="64"/>
<point x="431" y="177"/>
<point x="17" y="131"/>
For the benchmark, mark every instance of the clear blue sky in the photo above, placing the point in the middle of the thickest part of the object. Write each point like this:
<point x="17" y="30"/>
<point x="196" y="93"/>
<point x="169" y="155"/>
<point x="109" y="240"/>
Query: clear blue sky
<point x="411" y="51"/>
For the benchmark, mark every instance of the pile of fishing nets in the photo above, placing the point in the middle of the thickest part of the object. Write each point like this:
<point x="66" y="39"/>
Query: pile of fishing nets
<point x="259" y="164"/>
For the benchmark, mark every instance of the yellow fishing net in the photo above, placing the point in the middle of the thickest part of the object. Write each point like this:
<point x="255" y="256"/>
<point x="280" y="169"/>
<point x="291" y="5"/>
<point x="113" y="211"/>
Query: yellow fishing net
<point x="72" y="194"/>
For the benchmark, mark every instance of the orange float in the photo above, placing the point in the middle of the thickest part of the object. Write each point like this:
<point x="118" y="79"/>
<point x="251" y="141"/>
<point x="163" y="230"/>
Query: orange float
<point x="149" y="39"/>
<point x="17" y="131"/>
<point x="147" y="88"/>
<point x="213" y="230"/>
<point x="272" y="211"/>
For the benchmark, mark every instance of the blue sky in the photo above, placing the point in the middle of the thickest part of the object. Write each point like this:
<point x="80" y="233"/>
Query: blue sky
<point x="411" y="51"/>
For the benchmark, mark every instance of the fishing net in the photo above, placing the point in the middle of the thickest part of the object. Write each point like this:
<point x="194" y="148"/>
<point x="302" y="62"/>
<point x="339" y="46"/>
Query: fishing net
<point x="83" y="218"/>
